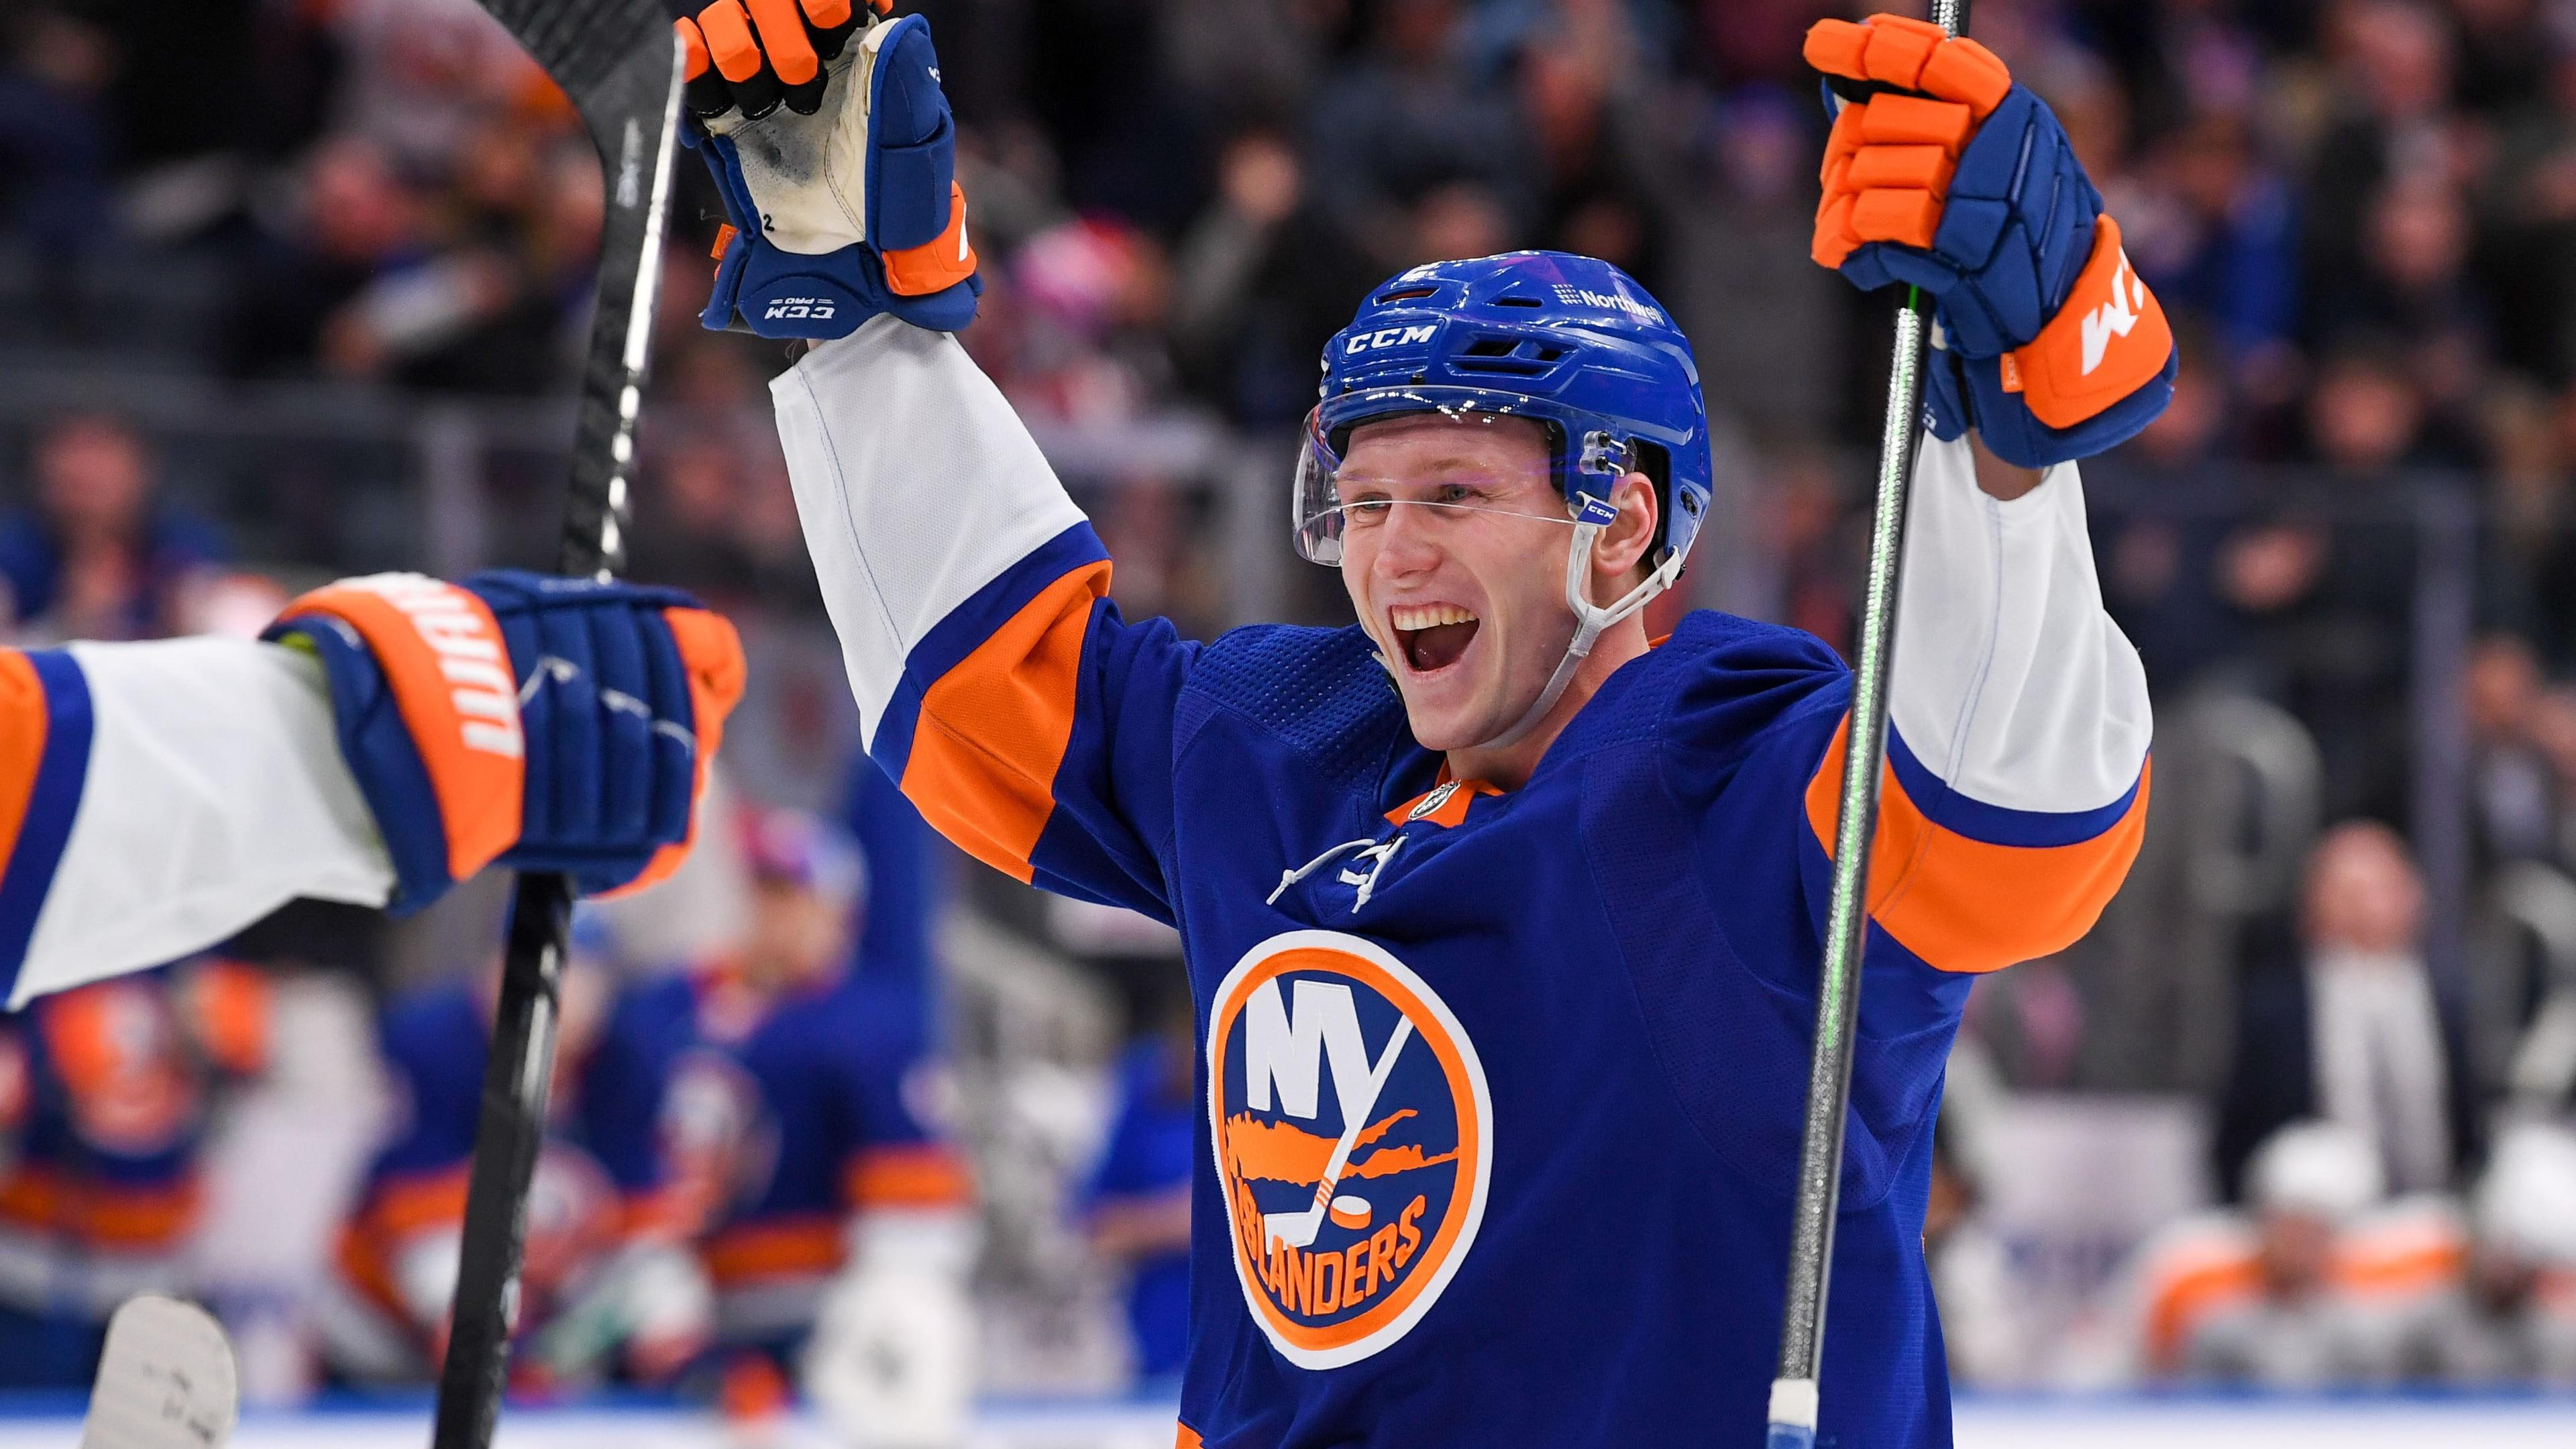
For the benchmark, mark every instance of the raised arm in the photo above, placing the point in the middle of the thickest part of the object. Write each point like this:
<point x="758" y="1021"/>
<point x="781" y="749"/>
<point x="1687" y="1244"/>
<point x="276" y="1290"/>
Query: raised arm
<point x="402" y="734"/>
<point x="2018" y="714"/>
<point x="2016" y="789"/>
<point x="996" y="682"/>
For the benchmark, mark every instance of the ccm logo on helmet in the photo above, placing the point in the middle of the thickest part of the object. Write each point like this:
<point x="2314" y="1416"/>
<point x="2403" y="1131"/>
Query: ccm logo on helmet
<point x="1387" y="337"/>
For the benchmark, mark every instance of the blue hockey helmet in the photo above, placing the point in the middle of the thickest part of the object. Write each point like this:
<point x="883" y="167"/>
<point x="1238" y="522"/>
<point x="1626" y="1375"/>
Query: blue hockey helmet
<point x="1573" y="343"/>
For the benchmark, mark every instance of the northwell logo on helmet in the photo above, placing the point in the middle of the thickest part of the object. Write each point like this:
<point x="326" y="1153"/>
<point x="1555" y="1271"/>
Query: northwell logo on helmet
<point x="1617" y="301"/>
<point x="1351" y="1209"/>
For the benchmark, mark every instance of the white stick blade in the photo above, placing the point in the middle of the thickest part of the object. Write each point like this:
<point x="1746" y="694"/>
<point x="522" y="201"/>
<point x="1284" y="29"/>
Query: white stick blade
<point x="165" y="1381"/>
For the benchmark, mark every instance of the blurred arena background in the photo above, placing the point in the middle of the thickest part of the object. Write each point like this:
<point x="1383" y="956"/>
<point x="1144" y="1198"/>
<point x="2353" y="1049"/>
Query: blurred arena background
<point x="290" y="289"/>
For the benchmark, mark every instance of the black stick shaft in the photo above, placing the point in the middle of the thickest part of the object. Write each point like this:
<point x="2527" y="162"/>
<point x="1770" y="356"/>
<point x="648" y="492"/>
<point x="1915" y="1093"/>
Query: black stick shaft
<point x="632" y="113"/>
<point x="1794" y="1398"/>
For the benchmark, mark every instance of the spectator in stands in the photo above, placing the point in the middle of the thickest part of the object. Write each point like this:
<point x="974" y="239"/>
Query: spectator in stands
<point x="99" y="555"/>
<point x="56" y="135"/>
<point x="353" y="219"/>
<point x="2517" y="796"/>
<point x="1404" y="119"/>
<point x="2349" y="1030"/>
<point x="1262" y="278"/>
<point x="2510" y="1318"/>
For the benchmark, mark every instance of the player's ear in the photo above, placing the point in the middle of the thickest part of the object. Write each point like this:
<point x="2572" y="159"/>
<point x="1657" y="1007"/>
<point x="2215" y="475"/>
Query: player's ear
<point x="1623" y="546"/>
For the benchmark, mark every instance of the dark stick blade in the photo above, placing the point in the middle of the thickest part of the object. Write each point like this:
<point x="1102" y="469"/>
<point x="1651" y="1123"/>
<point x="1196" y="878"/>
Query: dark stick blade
<point x="579" y="42"/>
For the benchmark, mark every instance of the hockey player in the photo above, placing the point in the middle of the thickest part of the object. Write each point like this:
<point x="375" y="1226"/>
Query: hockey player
<point x="838" y="1230"/>
<point x="391" y="736"/>
<point x="1501" y="920"/>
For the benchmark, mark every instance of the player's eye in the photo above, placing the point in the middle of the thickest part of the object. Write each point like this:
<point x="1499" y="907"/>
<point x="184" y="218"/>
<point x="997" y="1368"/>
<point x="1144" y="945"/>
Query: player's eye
<point x="1367" y="509"/>
<point x="1458" y="493"/>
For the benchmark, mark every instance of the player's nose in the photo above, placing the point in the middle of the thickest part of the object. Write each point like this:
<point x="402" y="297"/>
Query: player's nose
<point x="1405" y="544"/>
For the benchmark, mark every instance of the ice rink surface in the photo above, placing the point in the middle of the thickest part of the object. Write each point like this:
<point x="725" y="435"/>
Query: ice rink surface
<point x="2039" y="1423"/>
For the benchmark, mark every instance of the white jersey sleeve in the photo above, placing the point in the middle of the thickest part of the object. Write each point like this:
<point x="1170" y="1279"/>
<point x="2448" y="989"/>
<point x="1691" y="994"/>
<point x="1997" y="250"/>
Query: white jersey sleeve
<point x="997" y="685"/>
<point x="2015" y="792"/>
<point x="2011" y="685"/>
<point x="155" y="798"/>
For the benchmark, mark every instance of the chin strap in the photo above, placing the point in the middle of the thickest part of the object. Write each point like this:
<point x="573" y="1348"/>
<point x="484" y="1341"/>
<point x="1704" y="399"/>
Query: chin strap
<point x="1590" y="619"/>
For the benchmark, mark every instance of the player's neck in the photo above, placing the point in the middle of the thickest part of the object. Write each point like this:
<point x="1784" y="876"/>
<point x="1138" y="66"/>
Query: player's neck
<point x="1509" y="767"/>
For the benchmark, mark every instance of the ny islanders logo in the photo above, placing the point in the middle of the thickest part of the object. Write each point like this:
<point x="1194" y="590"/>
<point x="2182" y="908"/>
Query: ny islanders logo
<point x="1354" y="1141"/>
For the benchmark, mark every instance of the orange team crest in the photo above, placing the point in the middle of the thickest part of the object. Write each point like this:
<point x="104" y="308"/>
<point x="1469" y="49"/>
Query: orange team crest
<point x="1354" y="1142"/>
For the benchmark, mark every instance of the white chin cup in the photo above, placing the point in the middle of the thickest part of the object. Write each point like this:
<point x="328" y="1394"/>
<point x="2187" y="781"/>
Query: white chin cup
<point x="1590" y="621"/>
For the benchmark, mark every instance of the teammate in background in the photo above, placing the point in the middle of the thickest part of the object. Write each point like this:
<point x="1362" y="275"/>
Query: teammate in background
<point x="610" y="1288"/>
<point x="390" y="736"/>
<point x="1537" y="901"/>
<point x="1140" y="1193"/>
<point x="2301" y="1290"/>
<point x="836" y="1230"/>
<point x="2509" y="1318"/>
<point x="103" y="1107"/>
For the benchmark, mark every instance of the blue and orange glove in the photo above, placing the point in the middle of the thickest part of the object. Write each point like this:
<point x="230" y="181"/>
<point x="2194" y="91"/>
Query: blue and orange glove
<point x="541" y="723"/>
<point x="837" y="157"/>
<point x="1943" y="173"/>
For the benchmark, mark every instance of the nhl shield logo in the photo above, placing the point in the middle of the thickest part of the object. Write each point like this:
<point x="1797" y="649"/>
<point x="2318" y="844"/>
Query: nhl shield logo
<point x="1353" y="1138"/>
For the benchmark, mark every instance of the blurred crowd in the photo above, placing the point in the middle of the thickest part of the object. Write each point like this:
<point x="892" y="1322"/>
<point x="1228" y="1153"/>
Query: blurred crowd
<point x="2361" y="215"/>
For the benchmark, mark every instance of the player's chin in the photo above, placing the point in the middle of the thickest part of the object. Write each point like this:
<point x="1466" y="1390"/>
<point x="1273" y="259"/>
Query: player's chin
<point x="1453" y="707"/>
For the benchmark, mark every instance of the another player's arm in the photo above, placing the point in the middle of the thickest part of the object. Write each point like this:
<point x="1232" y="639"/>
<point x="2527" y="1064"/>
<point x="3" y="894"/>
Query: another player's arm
<point x="155" y="798"/>
<point x="2018" y="714"/>
<point x="996" y="683"/>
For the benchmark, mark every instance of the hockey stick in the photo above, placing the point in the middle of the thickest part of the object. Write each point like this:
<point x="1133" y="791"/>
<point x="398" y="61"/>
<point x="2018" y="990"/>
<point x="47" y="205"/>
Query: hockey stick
<point x="620" y="64"/>
<point x="1820" y="1153"/>
<point x="165" y="1380"/>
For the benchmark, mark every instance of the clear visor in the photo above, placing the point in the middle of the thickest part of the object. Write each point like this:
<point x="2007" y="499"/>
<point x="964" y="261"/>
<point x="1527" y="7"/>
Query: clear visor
<point x="1442" y="470"/>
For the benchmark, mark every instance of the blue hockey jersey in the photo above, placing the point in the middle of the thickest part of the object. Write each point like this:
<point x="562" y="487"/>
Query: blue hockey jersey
<point x="1502" y="1090"/>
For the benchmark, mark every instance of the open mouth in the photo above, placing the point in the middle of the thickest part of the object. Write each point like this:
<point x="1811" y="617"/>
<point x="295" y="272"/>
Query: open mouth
<point x="1432" y="636"/>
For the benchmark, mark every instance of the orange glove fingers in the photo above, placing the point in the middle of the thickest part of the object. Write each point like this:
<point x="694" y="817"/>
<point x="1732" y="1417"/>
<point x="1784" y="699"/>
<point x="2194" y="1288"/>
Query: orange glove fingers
<point x="782" y="35"/>
<point x="1964" y="71"/>
<point x="827" y="13"/>
<point x="1897" y="49"/>
<point x="1916" y="168"/>
<point x="1844" y="139"/>
<point x="1907" y="218"/>
<point x="728" y="35"/>
<point x="1911" y="55"/>
<point x="1915" y="121"/>
<point x="1835" y="238"/>
<point x="693" y="45"/>
<point x="1835" y="47"/>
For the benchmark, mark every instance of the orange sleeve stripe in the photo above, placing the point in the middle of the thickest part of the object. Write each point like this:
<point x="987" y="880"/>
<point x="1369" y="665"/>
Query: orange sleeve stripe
<point x="1187" y="1438"/>
<point x="792" y="1248"/>
<point x="2183" y="1302"/>
<point x="407" y="1205"/>
<point x="920" y="1175"/>
<point x="993" y="730"/>
<point x="23" y="725"/>
<point x="134" y="1219"/>
<point x="1966" y="905"/>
